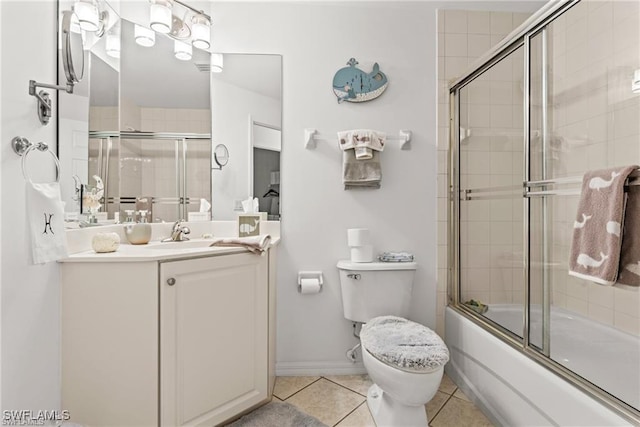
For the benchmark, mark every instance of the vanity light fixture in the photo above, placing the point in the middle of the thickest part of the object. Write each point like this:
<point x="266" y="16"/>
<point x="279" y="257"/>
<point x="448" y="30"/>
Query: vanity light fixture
<point x="113" y="42"/>
<point x="160" y="15"/>
<point x="144" y="36"/>
<point x="217" y="62"/>
<point x="87" y="13"/>
<point x="200" y="31"/>
<point x="635" y="83"/>
<point x="182" y="50"/>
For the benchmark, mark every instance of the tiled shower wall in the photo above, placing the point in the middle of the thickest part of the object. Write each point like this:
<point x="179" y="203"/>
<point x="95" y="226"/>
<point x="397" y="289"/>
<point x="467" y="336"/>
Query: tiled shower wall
<point x="463" y="36"/>
<point x="594" y="123"/>
<point x="148" y="167"/>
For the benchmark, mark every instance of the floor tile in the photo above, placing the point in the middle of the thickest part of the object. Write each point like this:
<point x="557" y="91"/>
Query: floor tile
<point x="286" y="386"/>
<point x="435" y="404"/>
<point x="326" y="401"/>
<point x="361" y="417"/>
<point x="457" y="412"/>
<point x="446" y="385"/>
<point x="358" y="383"/>
<point x="460" y="395"/>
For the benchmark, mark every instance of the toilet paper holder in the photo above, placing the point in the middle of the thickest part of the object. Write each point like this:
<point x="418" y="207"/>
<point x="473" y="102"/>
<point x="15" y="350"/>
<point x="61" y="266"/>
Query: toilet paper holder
<point x="310" y="275"/>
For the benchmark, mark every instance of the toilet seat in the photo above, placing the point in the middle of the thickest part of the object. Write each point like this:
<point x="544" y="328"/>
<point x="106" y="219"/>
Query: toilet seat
<point x="403" y="344"/>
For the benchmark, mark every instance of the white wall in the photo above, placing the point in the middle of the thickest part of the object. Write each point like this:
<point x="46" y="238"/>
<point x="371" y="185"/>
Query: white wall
<point x="30" y="367"/>
<point x="230" y="111"/>
<point x="316" y="39"/>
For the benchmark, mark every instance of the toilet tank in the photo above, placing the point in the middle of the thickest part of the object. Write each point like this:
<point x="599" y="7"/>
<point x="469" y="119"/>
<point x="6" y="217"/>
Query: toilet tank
<point x="371" y="289"/>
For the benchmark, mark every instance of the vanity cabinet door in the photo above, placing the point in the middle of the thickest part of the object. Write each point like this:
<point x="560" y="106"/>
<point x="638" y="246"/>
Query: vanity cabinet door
<point x="213" y="338"/>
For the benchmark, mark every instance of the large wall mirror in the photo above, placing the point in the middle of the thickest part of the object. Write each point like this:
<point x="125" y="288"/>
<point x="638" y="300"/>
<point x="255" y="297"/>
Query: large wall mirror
<point x="143" y="124"/>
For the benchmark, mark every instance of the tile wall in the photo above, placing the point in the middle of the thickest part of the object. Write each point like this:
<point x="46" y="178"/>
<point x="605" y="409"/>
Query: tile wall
<point x="463" y="36"/>
<point x="594" y="123"/>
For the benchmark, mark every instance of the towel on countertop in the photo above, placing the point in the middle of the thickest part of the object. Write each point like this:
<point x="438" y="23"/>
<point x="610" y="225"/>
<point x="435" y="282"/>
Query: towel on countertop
<point x="360" y="173"/>
<point x="630" y="257"/>
<point x="255" y="244"/>
<point x="597" y="231"/>
<point x="395" y="257"/>
<point x="363" y="142"/>
<point x="45" y="214"/>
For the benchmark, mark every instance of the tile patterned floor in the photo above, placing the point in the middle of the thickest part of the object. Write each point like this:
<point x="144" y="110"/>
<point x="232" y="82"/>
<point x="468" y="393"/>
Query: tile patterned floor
<point x="340" y="401"/>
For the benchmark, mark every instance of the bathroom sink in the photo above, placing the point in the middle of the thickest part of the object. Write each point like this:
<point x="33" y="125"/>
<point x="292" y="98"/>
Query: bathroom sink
<point x="187" y="244"/>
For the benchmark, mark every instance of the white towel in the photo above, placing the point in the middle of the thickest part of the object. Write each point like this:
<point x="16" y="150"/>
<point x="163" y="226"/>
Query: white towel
<point x="255" y="244"/>
<point x="363" y="141"/>
<point x="45" y="214"/>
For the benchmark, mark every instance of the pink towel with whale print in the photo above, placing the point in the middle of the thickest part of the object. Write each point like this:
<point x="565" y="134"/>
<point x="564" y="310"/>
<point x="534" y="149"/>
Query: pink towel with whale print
<point x="597" y="231"/>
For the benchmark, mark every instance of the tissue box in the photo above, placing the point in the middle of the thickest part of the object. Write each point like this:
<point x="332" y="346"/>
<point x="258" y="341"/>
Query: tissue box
<point x="199" y="216"/>
<point x="249" y="224"/>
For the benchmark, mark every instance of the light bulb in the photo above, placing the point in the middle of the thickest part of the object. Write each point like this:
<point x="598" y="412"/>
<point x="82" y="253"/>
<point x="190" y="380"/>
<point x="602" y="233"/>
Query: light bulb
<point x="200" y="31"/>
<point x="217" y="62"/>
<point x="182" y="50"/>
<point x="160" y="16"/>
<point x="113" y="44"/>
<point x="144" y="36"/>
<point x="87" y="13"/>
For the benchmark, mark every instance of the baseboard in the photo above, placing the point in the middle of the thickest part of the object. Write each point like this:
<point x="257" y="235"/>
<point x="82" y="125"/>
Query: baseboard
<point x="319" y="368"/>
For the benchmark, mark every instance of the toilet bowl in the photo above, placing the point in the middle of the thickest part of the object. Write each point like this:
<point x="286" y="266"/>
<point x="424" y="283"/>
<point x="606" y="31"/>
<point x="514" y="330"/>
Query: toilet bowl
<point x="405" y="360"/>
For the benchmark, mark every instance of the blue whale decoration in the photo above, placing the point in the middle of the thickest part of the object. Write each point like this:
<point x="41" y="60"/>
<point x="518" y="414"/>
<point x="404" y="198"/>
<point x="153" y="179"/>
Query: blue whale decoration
<point x="354" y="85"/>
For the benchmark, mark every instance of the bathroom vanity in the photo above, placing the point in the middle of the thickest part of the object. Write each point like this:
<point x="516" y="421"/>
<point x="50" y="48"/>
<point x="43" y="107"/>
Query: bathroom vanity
<point x="167" y="335"/>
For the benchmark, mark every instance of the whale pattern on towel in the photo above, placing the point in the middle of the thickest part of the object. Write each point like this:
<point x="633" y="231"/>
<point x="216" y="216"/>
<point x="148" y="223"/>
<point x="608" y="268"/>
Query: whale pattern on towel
<point x="586" y="261"/>
<point x="597" y="183"/>
<point x="581" y="224"/>
<point x="598" y="227"/>
<point x="634" y="268"/>
<point x="613" y="227"/>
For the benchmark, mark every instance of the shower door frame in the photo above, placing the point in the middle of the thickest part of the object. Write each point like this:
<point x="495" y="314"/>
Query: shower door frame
<point x="520" y="37"/>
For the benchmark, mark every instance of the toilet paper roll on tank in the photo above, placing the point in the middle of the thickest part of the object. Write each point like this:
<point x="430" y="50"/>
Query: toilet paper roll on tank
<point x="359" y="241"/>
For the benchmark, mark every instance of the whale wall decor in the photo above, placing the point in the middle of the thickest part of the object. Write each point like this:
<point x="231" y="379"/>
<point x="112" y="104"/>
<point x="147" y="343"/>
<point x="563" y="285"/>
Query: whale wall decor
<point x="351" y="84"/>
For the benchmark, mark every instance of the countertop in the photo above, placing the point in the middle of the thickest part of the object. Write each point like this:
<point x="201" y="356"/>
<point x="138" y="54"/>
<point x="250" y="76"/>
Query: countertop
<point x="79" y="242"/>
<point x="159" y="251"/>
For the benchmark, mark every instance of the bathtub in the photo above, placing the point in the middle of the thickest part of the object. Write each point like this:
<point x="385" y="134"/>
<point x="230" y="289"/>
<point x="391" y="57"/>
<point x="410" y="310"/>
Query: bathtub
<point x="514" y="390"/>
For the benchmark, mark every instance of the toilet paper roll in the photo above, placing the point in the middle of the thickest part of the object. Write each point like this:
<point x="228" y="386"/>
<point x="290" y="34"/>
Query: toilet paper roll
<point x="362" y="254"/>
<point x="309" y="286"/>
<point x="358" y="237"/>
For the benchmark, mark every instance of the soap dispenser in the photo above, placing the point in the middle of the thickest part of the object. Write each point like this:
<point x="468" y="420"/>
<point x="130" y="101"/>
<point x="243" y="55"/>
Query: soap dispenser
<point x="137" y="233"/>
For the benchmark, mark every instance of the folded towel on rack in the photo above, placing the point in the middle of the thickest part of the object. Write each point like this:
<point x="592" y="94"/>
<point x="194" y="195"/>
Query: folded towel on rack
<point x="255" y="244"/>
<point x="363" y="141"/>
<point x="630" y="257"/>
<point x="45" y="213"/>
<point x="597" y="231"/>
<point x="360" y="173"/>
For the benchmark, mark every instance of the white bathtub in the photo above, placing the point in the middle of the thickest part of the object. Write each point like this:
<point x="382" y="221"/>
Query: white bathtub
<point x="516" y="391"/>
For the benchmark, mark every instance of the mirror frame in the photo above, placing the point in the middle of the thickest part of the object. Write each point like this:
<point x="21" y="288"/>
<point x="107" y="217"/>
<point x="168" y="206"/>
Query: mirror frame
<point x="71" y="70"/>
<point x="224" y="157"/>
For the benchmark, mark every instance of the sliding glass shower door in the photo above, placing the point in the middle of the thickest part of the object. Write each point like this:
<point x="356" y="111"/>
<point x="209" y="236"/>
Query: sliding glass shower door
<point x="492" y="219"/>
<point x="553" y="103"/>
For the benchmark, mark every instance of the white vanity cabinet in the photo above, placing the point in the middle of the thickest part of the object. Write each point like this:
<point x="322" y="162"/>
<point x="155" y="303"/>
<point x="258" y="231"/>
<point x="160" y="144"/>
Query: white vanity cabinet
<point x="169" y="342"/>
<point x="213" y="338"/>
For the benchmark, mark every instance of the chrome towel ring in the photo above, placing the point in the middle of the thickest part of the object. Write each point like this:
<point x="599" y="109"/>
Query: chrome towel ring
<point x="23" y="147"/>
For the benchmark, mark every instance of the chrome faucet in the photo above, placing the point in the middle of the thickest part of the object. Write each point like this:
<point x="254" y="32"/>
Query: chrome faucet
<point x="178" y="232"/>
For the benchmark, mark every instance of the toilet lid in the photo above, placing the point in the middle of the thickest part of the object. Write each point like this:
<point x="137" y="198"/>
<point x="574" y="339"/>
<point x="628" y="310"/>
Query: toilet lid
<point x="404" y="344"/>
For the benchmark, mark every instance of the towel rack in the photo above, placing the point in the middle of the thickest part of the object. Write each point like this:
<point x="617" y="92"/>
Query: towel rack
<point x="22" y="147"/>
<point x="311" y="137"/>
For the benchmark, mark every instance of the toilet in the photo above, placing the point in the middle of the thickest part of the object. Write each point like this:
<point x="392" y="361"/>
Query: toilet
<point x="405" y="360"/>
